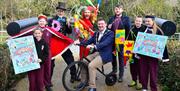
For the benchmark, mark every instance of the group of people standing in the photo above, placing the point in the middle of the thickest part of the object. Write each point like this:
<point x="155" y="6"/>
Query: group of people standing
<point x="103" y="44"/>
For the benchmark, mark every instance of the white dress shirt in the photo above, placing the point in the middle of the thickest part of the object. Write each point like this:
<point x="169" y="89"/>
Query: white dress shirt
<point x="101" y="34"/>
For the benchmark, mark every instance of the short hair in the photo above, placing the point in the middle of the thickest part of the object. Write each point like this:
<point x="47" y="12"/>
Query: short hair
<point x="38" y="28"/>
<point x="101" y="19"/>
<point x="139" y="16"/>
<point x="150" y="16"/>
<point x="119" y="6"/>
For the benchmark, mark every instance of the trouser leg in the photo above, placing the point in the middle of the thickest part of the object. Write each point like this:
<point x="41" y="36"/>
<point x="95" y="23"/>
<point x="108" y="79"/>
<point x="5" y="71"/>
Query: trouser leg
<point x="68" y="58"/>
<point x="31" y="77"/>
<point x="144" y="72"/>
<point x="153" y="74"/>
<point x="121" y="61"/>
<point x="96" y="62"/>
<point x="39" y="79"/>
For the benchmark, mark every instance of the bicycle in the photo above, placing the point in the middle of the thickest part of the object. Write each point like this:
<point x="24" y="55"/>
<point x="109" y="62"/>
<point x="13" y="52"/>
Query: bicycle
<point x="110" y="79"/>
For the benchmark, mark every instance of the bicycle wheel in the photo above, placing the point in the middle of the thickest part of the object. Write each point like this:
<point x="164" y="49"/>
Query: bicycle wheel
<point x="81" y="73"/>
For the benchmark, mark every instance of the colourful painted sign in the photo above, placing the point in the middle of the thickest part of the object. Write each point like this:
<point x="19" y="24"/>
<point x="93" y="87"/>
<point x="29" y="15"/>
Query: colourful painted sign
<point x="23" y="54"/>
<point x="150" y="45"/>
<point x="128" y="47"/>
<point x="120" y="36"/>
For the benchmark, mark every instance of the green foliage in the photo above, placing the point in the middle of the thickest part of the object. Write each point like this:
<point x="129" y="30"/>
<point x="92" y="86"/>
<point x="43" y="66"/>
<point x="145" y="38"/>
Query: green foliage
<point x="7" y="76"/>
<point x="169" y="74"/>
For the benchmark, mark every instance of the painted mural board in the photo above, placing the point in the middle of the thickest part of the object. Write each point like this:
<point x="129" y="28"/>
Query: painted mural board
<point x="23" y="54"/>
<point x="150" y="45"/>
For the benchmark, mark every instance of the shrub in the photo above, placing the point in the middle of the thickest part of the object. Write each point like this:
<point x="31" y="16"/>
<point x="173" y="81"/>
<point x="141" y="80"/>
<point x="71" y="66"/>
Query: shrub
<point x="7" y="76"/>
<point x="169" y="74"/>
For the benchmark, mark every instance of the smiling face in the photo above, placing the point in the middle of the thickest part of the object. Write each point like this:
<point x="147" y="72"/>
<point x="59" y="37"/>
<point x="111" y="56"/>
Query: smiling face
<point x="42" y="22"/>
<point x="87" y="13"/>
<point x="138" y="22"/>
<point x="60" y="12"/>
<point x="149" y="22"/>
<point x="101" y="25"/>
<point x="38" y="34"/>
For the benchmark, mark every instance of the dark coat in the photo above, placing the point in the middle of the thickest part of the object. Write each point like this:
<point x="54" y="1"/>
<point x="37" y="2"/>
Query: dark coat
<point x="124" y="24"/>
<point x="42" y="49"/>
<point x="63" y="21"/>
<point x="134" y="31"/>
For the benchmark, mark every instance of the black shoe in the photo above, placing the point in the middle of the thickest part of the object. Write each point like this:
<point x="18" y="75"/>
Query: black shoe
<point x="48" y="89"/>
<point x="92" y="89"/>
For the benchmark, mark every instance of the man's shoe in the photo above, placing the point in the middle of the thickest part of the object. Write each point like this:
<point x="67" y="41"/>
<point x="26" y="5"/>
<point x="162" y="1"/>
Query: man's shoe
<point x="132" y="84"/>
<point x="120" y="80"/>
<point x="92" y="89"/>
<point x="48" y="88"/>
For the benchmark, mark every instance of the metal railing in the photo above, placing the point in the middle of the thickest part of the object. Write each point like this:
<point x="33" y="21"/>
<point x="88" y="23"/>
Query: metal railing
<point x="176" y="36"/>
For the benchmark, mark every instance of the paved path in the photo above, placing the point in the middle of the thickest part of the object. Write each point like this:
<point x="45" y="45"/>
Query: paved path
<point x="101" y="86"/>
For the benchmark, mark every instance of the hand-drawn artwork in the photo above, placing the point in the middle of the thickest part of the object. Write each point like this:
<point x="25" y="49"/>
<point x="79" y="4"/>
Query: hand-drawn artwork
<point x="150" y="45"/>
<point x="120" y="36"/>
<point x="23" y="54"/>
<point x="128" y="47"/>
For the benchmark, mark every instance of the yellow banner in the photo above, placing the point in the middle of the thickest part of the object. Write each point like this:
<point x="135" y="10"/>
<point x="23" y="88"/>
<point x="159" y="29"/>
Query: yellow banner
<point x="120" y="36"/>
<point x="128" y="47"/>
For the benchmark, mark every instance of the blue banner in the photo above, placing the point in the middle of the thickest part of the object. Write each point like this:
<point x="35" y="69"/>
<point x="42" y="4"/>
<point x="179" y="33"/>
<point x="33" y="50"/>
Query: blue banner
<point x="23" y="54"/>
<point x="150" y="45"/>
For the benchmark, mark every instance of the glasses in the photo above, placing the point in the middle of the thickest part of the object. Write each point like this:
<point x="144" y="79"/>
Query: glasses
<point x="60" y="11"/>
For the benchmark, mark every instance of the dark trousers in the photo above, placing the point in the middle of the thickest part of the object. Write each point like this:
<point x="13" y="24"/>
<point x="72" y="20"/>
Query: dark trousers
<point x="135" y="70"/>
<point x="47" y="72"/>
<point x="121" y="61"/>
<point x="68" y="58"/>
<point x="149" y="67"/>
<point x="36" y="79"/>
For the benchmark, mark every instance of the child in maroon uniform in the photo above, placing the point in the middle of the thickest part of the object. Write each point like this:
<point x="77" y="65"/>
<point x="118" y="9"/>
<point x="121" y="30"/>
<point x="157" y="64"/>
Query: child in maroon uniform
<point x="149" y="65"/>
<point x="134" y="66"/>
<point x="36" y="76"/>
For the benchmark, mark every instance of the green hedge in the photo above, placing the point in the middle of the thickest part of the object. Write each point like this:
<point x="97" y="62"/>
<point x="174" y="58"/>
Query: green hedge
<point x="7" y="76"/>
<point x="169" y="73"/>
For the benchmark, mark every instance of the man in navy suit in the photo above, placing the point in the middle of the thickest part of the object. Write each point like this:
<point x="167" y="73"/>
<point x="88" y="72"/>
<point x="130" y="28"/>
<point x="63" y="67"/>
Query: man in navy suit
<point x="101" y="42"/>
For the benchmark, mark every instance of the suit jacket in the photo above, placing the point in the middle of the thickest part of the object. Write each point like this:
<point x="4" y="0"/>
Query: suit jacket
<point x="104" y="45"/>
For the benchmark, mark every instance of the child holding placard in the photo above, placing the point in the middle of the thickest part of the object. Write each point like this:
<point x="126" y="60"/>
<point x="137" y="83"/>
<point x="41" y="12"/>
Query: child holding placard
<point x="36" y="77"/>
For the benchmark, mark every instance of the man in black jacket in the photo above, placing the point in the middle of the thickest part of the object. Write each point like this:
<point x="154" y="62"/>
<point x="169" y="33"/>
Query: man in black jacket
<point x="119" y="21"/>
<point x="64" y="29"/>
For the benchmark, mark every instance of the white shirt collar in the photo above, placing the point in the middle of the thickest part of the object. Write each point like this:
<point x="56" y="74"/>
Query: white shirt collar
<point x="102" y="32"/>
